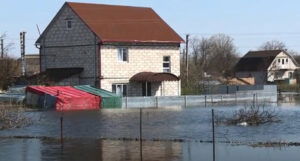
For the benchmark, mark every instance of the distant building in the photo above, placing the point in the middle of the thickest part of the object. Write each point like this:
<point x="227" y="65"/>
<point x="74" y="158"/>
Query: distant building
<point x="269" y="66"/>
<point x="127" y="50"/>
<point x="32" y="64"/>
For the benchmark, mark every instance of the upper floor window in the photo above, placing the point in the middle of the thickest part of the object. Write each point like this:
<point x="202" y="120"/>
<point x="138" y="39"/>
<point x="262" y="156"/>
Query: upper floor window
<point x="286" y="60"/>
<point x="120" y="89"/>
<point x="278" y="60"/>
<point x="166" y="64"/>
<point x="69" y="23"/>
<point x="282" y="61"/>
<point x="123" y="54"/>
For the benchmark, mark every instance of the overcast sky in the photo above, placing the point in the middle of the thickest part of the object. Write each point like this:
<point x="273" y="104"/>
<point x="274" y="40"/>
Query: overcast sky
<point x="249" y="22"/>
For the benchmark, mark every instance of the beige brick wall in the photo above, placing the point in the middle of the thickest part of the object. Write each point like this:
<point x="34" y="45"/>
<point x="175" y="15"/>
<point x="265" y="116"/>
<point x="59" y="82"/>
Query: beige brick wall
<point x="140" y="59"/>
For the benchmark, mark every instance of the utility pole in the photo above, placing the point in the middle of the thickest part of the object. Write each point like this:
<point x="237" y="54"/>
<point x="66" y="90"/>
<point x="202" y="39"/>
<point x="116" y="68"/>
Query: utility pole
<point x="186" y="57"/>
<point x="2" y="48"/>
<point x="22" y="44"/>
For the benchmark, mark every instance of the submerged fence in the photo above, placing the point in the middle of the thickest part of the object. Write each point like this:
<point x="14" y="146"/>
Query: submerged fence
<point x="268" y="94"/>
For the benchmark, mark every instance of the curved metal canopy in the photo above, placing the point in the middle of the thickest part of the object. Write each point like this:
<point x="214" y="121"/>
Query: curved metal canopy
<point x="153" y="77"/>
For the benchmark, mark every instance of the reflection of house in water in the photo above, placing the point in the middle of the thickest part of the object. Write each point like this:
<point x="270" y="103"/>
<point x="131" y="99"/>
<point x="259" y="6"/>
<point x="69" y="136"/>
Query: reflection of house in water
<point x="89" y="150"/>
<point x="107" y="150"/>
<point x="129" y="150"/>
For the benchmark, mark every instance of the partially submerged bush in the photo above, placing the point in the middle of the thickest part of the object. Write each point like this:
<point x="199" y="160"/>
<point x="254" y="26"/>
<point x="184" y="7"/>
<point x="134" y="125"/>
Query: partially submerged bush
<point x="251" y="115"/>
<point x="13" y="118"/>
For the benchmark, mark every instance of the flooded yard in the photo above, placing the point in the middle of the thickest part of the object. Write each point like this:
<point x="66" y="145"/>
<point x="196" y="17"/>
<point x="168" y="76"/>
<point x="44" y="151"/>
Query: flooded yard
<point x="175" y="134"/>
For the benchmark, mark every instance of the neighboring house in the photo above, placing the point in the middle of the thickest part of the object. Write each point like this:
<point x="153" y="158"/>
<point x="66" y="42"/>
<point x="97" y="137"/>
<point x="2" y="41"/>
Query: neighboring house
<point x="269" y="66"/>
<point x="128" y="50"/>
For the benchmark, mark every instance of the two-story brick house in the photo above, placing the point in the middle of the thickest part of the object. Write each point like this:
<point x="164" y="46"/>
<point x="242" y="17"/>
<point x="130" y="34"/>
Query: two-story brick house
<point x="127" y="50"/>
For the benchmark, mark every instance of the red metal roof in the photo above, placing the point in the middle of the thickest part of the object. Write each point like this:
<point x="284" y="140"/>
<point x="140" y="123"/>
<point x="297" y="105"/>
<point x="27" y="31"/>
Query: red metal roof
<point x="113" y="23"/>
<point x="68" y="98"/>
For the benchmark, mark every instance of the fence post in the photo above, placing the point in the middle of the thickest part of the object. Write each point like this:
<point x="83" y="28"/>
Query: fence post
<point x="235" y="98"/>
<point x="213" y="133"/>
<point x="45" y="102"/>
<point x="185" y="103"/>
<point x="156" y="101"/>
<point x="221" y="99"/>
<point x="253" y="99"/>
<point x="126" y="102"/>
<point x="141" y="145"/>
<point x="205" y="101"/>
<point x="61" y="131"/>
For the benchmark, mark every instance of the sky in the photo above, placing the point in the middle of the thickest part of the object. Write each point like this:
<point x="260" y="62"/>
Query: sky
<point x="249" y="22"/>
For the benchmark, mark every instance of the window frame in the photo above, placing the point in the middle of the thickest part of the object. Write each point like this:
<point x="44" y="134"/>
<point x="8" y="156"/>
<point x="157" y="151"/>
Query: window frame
<point x="122" y="85"/>
<point x="120" y="54"/>
<point x="166" y="69"/>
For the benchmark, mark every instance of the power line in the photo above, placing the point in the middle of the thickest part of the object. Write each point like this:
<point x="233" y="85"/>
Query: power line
<point x="250" y="34"/>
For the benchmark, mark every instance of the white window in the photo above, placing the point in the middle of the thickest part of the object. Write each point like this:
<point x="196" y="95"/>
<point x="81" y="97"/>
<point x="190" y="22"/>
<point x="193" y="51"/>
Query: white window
<point x="166" y="64"/>
<point x="69" y="23"/>
<point x="120" y="89"/>
<point x="123" y="54"/>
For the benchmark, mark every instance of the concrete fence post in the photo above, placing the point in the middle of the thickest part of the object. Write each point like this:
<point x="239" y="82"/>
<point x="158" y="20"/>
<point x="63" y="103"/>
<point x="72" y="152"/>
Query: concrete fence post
<point x="185" y="101"/>
<point x="141" y="140"/>
<point x="126" y="102"/>
<point x="213" y="133"/>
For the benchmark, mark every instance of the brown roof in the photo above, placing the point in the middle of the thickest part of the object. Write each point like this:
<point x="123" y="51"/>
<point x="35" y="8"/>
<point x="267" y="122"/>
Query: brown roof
<point x="257" y="60"/>
<point x="153" y="77"/>
<point x="113" y="23"/>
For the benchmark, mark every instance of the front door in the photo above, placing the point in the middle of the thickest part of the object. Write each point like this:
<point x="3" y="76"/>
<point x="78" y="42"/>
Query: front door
<point x="146" y="89"/>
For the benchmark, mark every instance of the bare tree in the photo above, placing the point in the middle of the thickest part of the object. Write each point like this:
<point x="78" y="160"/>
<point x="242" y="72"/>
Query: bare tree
<point x="223" y="55"/>
<point x="215" y="55"/>
<point x="9" y="67"/>
<point x="273" y="45"/>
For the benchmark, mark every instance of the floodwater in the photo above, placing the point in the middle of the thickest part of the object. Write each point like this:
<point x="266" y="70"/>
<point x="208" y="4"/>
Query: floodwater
<point x="98" y="135"/>
<point x="108" y="150"/>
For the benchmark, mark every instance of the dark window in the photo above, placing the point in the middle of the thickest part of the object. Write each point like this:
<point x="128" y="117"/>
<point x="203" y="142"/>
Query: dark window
<point x="166" y="64"/>
<point x="123" y="54"/>
<point x="69" y="24"/>
<point x="278" y="60"/>
<point x="146" y="89"/>
<point x="286" y="60"/>
<point x="282" y="61"/>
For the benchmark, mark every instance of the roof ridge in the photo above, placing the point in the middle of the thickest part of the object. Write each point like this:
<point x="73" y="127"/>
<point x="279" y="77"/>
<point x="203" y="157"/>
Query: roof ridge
<point x="113" y="5"/>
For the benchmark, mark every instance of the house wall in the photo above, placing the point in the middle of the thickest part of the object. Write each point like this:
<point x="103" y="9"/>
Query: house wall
<point x="65" y="48"/>
<point x="279" y="71"/>
<point x="259" y="77"/>
<point x="140" y="59"/>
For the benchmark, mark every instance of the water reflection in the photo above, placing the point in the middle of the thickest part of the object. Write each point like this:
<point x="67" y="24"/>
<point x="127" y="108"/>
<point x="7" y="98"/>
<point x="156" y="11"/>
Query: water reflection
<point x="108" y="150"/>
<point x="87" y="150"/>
